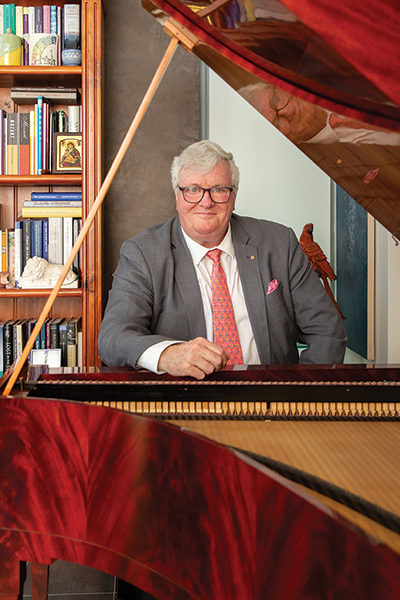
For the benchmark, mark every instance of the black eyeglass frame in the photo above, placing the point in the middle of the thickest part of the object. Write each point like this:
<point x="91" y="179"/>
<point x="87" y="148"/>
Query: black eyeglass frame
<point x="209" y="190"/>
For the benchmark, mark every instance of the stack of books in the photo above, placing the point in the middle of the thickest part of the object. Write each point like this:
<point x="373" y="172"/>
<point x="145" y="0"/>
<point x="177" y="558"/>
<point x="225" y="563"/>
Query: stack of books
<point x="49" y="227"/>
<point x="57" y="333"/>
<point x="46" y="30"/>
<point x="27" y="139"/>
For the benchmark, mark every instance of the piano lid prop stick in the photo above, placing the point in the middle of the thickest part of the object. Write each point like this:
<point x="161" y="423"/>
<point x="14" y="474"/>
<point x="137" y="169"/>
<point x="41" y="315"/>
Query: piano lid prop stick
<point x="93" y="211"/>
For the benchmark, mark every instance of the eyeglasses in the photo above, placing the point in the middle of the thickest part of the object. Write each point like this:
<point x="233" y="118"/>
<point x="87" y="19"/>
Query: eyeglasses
<point x="194" y="194"/>
<point x="280" y="99"/>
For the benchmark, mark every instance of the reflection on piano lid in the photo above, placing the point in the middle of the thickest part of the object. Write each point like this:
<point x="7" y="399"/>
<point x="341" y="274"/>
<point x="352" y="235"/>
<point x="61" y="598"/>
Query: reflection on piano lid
<point x="337" y="102"/>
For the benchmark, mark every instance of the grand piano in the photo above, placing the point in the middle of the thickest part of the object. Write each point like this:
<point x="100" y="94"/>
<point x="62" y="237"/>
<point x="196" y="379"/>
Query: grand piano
<point x="269" y="480"/>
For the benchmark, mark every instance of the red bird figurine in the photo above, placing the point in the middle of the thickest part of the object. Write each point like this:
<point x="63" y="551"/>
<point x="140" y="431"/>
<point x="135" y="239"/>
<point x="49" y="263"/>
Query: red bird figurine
<point x="318" y="260"/>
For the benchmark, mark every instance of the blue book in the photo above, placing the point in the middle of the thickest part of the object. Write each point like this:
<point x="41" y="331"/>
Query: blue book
<point x="38" y="19"/>
<point x="18" y="250"/>
<point x="50" y="196"/>
<point x="45" y="239"/>
<point x="36" y="238"/>
<point x="39" y="135"/>
<point x="26" y="242"/>
<point x="53" y="19"/>
<point x="9" y="17"/>
<point x="43" y="335"/>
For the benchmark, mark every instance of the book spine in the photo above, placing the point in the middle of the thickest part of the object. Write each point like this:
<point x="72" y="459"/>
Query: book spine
<point x="12" y="143"/>
<point x="48" y="334"/>
<point x="63" y="343"/>
<point x="53" y="19"/>
<point x="42" y="336"/>
<point x="25" y="45"/>
<point x="51" y="211"/>
<point x="55" y="240"/>
<point x="68" y="237"/>
<point x="73" y="119"/>
<point x="18" y="250"/>
<point x="31" y="14"/>
<point x="2" y="30"/>
<point x="32" y="137"/>
<point x="2" y="117"/>
<point x="76" y="266"/>
<point x="55" y="333"/>
<point x="10" y="235"/>
<point x="19" y="21"/>
<point x="24" y="166"/>
<point x="42" y="203"/>
<point x="7" y="17"/>
<point x="60" y="34"/>
<point x="54" y="196"/>
<point x="8" y="344"/>
<point x="45" y="238"/>
<point x="38" y="19"/>
<point x="72" y="27"/>
<point x="26" y="242"/>
<point x="12" y="18"/>
<point x="36" y="238"/>
<point x="46" y="18"/>
<point x="3" y="250"/>
<point x="40" y="134"/>
<point x="45" y="136"/>
<point x="2" y="347"/>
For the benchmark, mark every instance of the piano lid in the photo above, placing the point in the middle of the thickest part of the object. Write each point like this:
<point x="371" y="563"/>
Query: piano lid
<point x="326" y="78"/>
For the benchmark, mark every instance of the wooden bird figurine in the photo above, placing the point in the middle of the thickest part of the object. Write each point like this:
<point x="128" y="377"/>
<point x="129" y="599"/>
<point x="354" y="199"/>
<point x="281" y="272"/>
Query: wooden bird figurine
<point x="318" y="260"/>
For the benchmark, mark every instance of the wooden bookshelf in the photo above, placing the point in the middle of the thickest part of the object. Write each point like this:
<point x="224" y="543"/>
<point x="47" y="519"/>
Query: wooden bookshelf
<point x="85" y="301"/>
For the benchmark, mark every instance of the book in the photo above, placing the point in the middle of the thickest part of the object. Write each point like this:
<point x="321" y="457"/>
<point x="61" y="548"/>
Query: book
<point x="32" y="142"/>
<point x="37" y="238"/>
<point x="24" y="149"/>
<point x="39" y="134"/>
<point x="38" y="19"/>
<point x="9" y="17"/>
<point x="46" y="18"/>
<point x="67" y="238"/>
<point x="18" y="250"/>
<point x="47" y="333"/>
<point x="76" y="229"/>
<point x="3" y="248"/>
<point x="31" y="15"/>
<point x="29" y="212"/>
<point x="2" y="154"/>
<point x="18" y="338"/>
<point x="8" y="344"/>
<point x="72" y="27"/>
<point x="10" y="240"/>
<point x="45" y="239"/>
<point x="63" y="203"/>
<point x="53" y="19"/>
<point x="35" y="196"/>
<point x="55" y="332"/>
<point x="2" y="18"/>
<point x="42" y="335"/>
<point x="63" y="342"/>
<point x="73" y="326"/>
<point x="26" y="242"/>
<point x="19" y="21"/>
<point x="2" y="346"/>
<point x="29" y="326"/>
<point x="12" y="143"/>
<point x="73" y="119"/>
<point x="56" y="246"/>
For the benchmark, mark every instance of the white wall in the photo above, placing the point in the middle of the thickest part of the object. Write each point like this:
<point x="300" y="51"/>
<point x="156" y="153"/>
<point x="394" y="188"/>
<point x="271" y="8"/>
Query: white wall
<point x="280" y="183"/>
<point x="277" y="181"/>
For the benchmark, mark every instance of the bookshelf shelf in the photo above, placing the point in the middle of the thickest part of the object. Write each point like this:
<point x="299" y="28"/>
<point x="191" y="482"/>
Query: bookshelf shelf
<point x="35" y="180"/>
<point x="54" y="76"/>
<point x="35" y="293"/>
<point x="84" y="302"/>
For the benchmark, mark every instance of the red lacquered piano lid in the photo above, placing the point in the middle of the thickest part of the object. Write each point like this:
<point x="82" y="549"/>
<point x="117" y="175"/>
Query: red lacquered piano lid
<point x="178" y="515"/>
<point x="343" y="57"/>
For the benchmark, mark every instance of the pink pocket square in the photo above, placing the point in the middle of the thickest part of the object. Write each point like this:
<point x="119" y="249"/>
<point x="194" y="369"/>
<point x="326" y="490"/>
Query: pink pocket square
<point x="272" y="286"/>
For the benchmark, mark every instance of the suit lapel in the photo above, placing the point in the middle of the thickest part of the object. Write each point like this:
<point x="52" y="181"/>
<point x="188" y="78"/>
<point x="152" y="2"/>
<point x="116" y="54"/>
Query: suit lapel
<point x="186" y="280"/>
<point x="253" y="289"/>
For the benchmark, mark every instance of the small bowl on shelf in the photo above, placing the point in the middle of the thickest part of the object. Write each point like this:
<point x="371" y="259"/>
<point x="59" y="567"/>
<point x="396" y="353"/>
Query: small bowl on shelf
<point x="71" y="58"/>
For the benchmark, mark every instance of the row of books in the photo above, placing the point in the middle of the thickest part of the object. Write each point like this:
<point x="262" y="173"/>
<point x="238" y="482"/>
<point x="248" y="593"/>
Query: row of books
<point x="27" y="139"/>
<point x="55" y="334"/>
<point x="51" y="239"/>
<point x="45" y="30"/>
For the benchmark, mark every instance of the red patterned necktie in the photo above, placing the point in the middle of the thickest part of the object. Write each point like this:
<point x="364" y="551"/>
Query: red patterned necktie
<point x="224" y="325"/>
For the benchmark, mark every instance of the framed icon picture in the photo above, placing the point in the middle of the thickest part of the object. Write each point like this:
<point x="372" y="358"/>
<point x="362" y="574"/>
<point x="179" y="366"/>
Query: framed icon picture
<point x="67" y="152"/>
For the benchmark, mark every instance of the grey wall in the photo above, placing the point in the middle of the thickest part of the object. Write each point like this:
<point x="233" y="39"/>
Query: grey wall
<point x="141" y="193"/>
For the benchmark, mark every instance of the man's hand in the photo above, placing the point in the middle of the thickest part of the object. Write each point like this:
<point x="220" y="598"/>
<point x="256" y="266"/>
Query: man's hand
<point x="196" y="358"/>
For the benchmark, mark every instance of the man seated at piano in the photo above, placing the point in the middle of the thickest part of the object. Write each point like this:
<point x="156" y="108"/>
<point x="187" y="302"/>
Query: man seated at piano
<point x="210" y="288"/>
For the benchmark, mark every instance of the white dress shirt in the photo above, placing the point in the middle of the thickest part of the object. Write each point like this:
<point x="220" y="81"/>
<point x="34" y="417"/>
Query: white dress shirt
<point x="203" y="265"/>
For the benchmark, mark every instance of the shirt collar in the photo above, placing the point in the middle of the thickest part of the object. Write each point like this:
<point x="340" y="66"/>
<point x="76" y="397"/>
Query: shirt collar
<point x="198" y="251"/>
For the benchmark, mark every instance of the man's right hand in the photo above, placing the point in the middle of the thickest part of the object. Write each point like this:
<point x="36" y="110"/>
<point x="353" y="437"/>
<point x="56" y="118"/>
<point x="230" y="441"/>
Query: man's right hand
<point x="196" y="358"/>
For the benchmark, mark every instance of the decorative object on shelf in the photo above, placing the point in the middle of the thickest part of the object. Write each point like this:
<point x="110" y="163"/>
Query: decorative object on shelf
<point x="50" y="357"/>
<point x="67" y="153"/>
<point x="71" y="58"/>
<point x="43" y="49"/>
<point x="39" y="273"/>
<point x="10" y="48"/>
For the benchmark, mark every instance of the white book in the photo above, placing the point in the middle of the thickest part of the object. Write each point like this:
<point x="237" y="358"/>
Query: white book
<point x="79" y="352"/>
<point x="19" y="21"/>
<point x="31" y="14"/>
<point x="56" y="245"/>
<point x="72" y="26"/>
<point x="18" y="249"/>
<point x="73" y="119"/>
<point x="68" y="238"/>
<point x="1" y="18"/>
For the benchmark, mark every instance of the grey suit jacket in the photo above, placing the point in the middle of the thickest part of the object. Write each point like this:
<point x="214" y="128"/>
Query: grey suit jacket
<point x="156" y="296"/>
